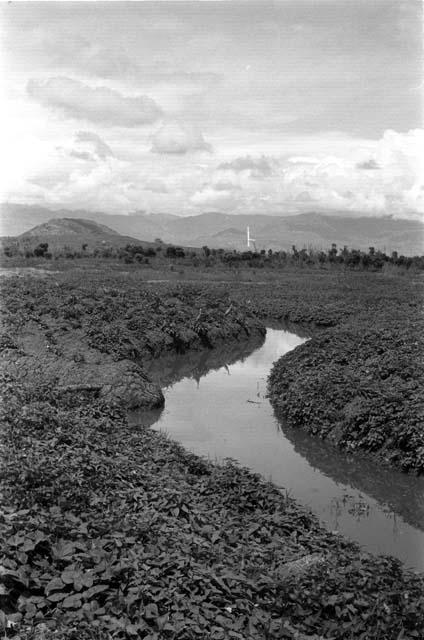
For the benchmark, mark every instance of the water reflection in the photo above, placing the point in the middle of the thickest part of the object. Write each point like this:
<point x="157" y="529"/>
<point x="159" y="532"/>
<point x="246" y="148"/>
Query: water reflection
<point x="196" y="364"/>
<point x="216" y="405"/>
<point x="391" y="488"/>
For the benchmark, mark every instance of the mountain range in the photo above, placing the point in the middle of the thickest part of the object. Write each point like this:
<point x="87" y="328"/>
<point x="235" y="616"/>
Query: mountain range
<point x="219" y="230"/>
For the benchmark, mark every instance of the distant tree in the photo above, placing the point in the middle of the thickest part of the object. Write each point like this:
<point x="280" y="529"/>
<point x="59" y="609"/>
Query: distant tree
<point x="170" y="252"/>
<point x="41" y="249"/>
<point x="332" y="253"/>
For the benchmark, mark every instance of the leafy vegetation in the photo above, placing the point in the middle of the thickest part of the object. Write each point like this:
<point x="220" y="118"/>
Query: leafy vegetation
<point x="359" y="383"/>
<point x="112" y="531"/>
<point x="116" y="532"/>
<point x="126" y="319"/>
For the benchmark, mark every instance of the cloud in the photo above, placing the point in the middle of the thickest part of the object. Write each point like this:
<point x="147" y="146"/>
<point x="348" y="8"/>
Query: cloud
<point x="100" y="105"/>
<point x="80" y="54"/>
<point x="223" y="185"/>
<point x="156" y="185"/>
<point x="389" y="181"/>
<point x="75" y="52"/>
<point x="175" y="138"/>
<point x="257" y="167"/>
<point x="218" y="199"/>
<point x="90" y="146"/>
<point x="368" y="165"/>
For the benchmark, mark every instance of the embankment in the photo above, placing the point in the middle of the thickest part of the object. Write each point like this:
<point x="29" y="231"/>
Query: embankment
<point x="359" y="381"/>
<point x="95" y="336"/>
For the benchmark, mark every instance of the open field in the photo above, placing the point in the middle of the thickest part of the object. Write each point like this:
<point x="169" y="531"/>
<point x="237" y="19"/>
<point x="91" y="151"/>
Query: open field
<point x="112" y="531"/>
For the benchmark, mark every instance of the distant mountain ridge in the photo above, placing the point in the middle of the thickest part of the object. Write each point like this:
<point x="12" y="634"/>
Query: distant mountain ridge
<point x="220" y="230"/>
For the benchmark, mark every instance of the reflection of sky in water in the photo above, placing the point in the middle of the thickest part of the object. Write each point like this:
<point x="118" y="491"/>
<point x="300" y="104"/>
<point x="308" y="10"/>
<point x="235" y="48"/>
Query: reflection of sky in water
<point x="226" y="414"/>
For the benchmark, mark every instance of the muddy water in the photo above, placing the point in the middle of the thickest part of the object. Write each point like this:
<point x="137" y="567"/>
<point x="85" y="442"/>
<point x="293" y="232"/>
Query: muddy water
<point x="221" y="411"/>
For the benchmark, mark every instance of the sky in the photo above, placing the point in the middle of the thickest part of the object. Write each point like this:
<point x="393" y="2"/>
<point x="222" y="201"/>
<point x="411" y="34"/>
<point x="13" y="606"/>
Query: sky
<point x="234" y="106"/>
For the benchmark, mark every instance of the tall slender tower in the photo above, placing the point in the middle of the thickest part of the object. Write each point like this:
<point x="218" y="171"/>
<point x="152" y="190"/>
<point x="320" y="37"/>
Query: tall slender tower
<point x="250" y="239"/>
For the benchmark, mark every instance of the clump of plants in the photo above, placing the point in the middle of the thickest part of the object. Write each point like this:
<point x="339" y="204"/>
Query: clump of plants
<point x="359" y="385"/>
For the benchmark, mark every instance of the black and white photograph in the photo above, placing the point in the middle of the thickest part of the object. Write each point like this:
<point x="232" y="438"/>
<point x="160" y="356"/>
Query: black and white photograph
<point x="211" y="320"/>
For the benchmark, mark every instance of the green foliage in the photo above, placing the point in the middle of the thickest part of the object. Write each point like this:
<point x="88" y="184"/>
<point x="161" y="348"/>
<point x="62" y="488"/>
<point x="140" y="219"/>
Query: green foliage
<point x="41" y="250"/>
<point x="112" y="531"/>
<point x="130" y="321"/>
<point x="360" y="384"/>
<point x="115" y="532"/>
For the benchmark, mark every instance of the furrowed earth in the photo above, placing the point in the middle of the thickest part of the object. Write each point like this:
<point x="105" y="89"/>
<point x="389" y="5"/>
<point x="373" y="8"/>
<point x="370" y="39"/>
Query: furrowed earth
<point x="110" y="530"/>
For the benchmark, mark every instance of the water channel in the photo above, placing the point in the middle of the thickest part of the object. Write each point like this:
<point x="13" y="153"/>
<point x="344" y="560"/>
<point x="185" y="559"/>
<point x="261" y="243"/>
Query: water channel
<point x="216" y="406"/>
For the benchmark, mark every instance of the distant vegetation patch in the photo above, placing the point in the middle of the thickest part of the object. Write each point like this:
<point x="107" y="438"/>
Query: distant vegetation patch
<point x="158" y="254"/>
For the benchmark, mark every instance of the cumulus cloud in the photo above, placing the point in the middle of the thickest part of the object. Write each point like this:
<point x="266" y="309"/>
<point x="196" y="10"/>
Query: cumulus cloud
<point x="83" y="172"/>
<point x="368" y="165"/>
<point x="257" y="167"/>
<point x="90" y="146"/>
<point x="343" y="182"/>
<point x="179" y="139"/>
<point x="208" y="197"/>
<point x="100" y="105"/>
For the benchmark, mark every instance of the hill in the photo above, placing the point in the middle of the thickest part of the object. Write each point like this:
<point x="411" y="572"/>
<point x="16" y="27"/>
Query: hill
<point x="74" y="233"/>
<point x="220" y="230"/>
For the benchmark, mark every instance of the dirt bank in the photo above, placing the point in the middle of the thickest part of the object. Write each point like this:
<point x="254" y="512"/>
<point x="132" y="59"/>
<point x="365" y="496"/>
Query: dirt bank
<point x="97" y="336"/>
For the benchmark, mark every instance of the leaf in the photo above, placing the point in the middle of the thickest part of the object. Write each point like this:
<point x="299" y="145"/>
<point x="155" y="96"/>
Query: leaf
<point x="72" y="602"/>
<point x="93" y="591"/>
<point x="62" y="549"/>
<point x="151" y="611"/>
<point x="53" y="585"/>
<point x="78" y="582"/>
<point x="254" y="527"/>
<point x="68" y="577"/>
<point x="87" y="580"/>
<point x="132" y="629"/>
<point x="161" y="621"/>
<point x="56" y="597"/>
<point x="29" y="545"/>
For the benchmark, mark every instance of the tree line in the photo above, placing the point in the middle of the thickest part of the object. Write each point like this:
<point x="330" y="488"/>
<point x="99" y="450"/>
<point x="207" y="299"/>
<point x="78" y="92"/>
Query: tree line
<point x="356" y="259"/>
